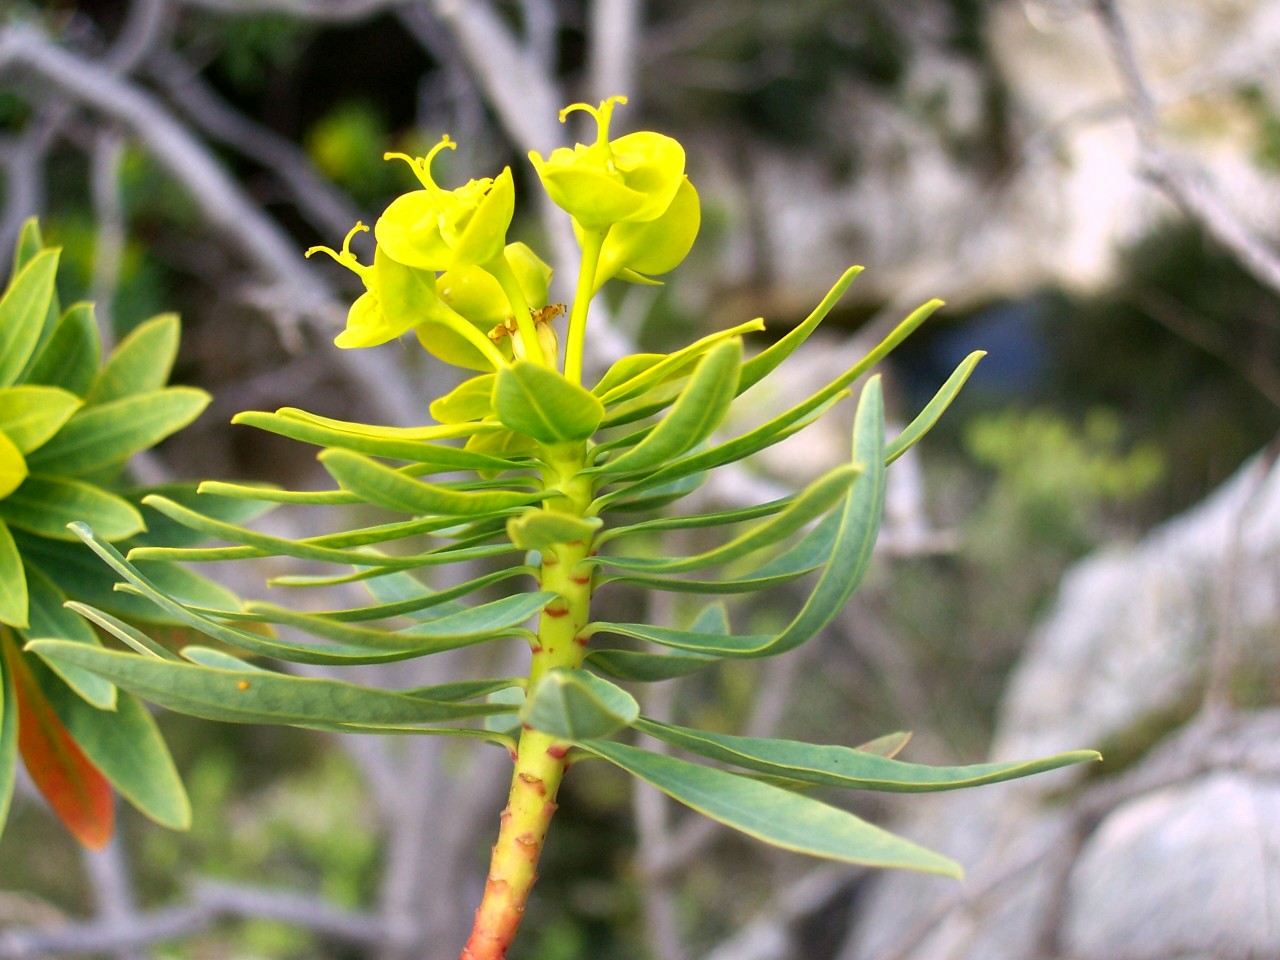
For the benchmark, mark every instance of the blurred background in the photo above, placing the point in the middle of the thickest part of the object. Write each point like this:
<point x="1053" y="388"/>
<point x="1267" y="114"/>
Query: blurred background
<point x="1084" y="553"/>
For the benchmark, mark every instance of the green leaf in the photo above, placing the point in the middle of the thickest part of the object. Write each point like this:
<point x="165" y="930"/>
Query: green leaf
<point x="264" y="493"/>
<point x="434" y="432"/>
<point x="845" y="767"/>
<point x="671" y="365"/>
<point x="45" y="505"/>
<point x="766" y="435"/>
<point x="816" y="499"/>
<point x="23" y="309"/>
<point x="189" y="587"/>
<point x="401" y="594"/>
<point x="171" y="533"/>
<point x="84" y="577"/>
<point x="639" y="497"/>
<point x="140" y="363"/>
<point x="434" y="457"/>
<point x="700" y="408"/>
<point x="495" y="620"/>
<point x="576" y="705"/>
<point x="255" y="696"/>
<point x="768" y="359"/>
<point x="30" y="416"/>
<point x="779" y="817"/>
<point x="108" y="434"/>
<point x="778" y="428"/>
<point x="254" y="544"/>
<point x="934" y="409"/>
<point x="538" y="402"/>
<point x="71" y="356"/>
<point x="626" y="369"/>
<point x="648" y="667"/>
<point x="859" y="527"/>
<point x="470" y="400"/>
<point x="392" y="490"/>
<point x="806" y="555"/>
<point x="540" y="529"/>
<point x="13" y="467"/>
<point x="8" y="740"/>
<point x="851" y="531"/>
<point x="217" y="659"/>
<point x="13" y="581"/>
<point x="651" y="667"/>
<point x="50" y="620"/>
<point x="29" y="244"/>
<point x="698" y="521"/>
<point x="135" y="638"/>
<point x="126" y="746"/>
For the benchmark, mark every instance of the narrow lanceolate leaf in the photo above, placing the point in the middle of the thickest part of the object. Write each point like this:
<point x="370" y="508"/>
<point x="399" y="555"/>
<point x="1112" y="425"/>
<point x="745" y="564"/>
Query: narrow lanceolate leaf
<point x="8" y="739"/>
<point x="434" y="457"/>
<point x="255" y="696"/>
<point x="30" y="243"/>
<point x="70" y="357"/>
<point x="851" y="531"/>
<point x="29" y="415"/>
<point x="845" y="767"/>
<point x="131" y="636"/>
<point x="13" y="467"/>
<point x="857" y="532"/>
<point x="647" y="667"/>
<point x="75" y="790"/>
<point x="434" y="432"/>
<point x="253" y="544"/>
<point x="700" y="408"/>
<point x="539" y="529"/>
<point x="470" y="400"/>
<point x="13" y="581"/>
<point x="264" y="493"/>
<point x="494" y="620"/>
<point x="673" y="363"/>
<point x="933" y="410"/>
<point x="575" y="705"/>
<point x="737" y="448"/>
<point x="140" y="363"/>
<point x="538" y="402"/>
<point x="819" y="497"/>
<point x="651" y="667"/>
<point x="392" y="490"/>
<point x="698" y="521"/>
<point x="768" y="359"/>
<point x="126" y="747"/>
<point x="171" y="533"/>
<point x="22" y="314"/>
<point x="625" y="369"/>
<point x="44" y="505"/>
<point x="779" y="817"/>
<point x="49" y="619"/>
<point x="109" y="434"/>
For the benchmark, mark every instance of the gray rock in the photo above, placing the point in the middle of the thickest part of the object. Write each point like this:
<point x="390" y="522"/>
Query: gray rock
<point x="1190" y="869"/>
<point x="1176" y="857"/>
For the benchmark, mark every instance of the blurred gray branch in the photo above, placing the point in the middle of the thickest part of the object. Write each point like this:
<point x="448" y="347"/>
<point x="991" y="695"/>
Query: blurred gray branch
<point x="1177" y="176"/>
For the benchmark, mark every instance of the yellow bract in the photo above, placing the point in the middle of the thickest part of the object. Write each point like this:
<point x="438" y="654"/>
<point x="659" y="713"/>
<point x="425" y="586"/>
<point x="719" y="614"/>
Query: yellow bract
<point x="631" y="179"/>
<point x="438" y="229"/>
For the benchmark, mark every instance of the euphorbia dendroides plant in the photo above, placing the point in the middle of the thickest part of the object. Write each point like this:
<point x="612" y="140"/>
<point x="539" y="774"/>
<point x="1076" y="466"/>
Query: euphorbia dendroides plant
<point x="556" y="470"/>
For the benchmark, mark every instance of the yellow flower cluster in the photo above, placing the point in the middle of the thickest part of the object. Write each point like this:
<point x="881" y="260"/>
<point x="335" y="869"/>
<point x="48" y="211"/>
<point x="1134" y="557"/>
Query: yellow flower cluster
<point x="443" y="267"/>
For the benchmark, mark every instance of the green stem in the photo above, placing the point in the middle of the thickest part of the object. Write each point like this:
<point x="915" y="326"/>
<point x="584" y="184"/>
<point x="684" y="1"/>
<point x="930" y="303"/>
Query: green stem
<point x="501" y="271"/>
<point x="539" y="758"/>
<point x="575" y="340"/>
<point x="463" y="327"/>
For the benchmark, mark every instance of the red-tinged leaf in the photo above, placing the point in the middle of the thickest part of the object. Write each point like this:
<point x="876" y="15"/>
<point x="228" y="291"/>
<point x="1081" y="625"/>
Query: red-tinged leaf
<point x="77" y="792"/>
